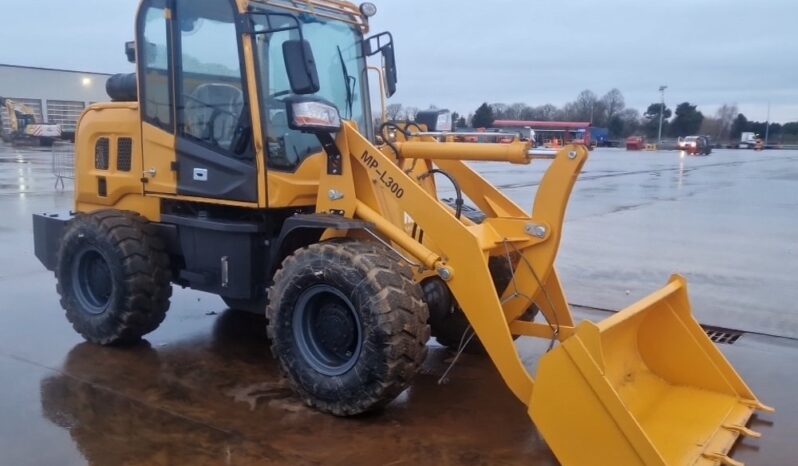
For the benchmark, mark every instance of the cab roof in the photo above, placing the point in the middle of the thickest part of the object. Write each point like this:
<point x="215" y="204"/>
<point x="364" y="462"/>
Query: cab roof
<point x="330" y="9"/>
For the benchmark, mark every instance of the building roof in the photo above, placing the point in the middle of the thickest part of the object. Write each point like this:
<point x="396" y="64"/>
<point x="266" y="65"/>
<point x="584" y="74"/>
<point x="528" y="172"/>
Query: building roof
<point x="53" y="69"/>
<point x="542" y="125"/>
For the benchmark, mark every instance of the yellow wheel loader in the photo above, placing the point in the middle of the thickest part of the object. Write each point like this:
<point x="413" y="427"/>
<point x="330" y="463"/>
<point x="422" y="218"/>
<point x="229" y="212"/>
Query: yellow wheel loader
<point x="239" y="161"/>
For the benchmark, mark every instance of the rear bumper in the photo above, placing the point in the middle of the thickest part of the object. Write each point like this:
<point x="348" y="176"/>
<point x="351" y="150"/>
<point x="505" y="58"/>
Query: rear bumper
<point x="48" y="229"/>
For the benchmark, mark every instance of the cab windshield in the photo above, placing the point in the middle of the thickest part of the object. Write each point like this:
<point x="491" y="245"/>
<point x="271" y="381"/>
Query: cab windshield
<point x="337" y="50"/>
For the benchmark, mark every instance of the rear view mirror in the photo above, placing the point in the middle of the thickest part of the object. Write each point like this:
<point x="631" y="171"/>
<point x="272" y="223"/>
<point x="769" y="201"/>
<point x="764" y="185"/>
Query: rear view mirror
<point x="130" y="51"/>
<point x="301" y="67"/>
<point x="383" y="43"/>
<point x="389" y="61"/>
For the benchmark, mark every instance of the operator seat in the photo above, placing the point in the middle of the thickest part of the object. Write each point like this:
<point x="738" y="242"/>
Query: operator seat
<point x="213" y="112"/>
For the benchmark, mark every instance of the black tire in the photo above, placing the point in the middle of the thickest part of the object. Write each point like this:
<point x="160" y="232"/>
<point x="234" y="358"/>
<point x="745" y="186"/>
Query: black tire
<point x="447" y="319"/>
<point x="252" y="306"/>
<point x="376" y="331"/>
<point x="46" y="142"/>
<point x="113" y="277"/>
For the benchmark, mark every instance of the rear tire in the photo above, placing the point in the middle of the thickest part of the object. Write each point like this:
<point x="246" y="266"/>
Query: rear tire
<point x="348" y="325"/>
<point x="448" y="321"/>
<point x="113" y="277"/>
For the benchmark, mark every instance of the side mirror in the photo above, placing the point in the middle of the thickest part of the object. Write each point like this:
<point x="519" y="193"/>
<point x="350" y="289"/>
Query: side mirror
<point x="301" y="67"/>
<point x="130" y="51"/>
<point x="389" y="61"/>
<point x="383" y="43"/>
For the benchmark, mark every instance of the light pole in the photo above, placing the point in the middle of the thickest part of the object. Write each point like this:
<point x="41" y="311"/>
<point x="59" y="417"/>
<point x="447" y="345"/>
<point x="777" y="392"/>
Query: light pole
<point x="661" y="115"/>
<point x="767" y="126"/>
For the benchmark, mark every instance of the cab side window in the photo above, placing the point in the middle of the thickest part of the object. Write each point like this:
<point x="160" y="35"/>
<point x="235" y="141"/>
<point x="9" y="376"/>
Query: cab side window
<point x="154" y="60"/>
<point x="211" y="107"/>
<point x="286" y="148"/>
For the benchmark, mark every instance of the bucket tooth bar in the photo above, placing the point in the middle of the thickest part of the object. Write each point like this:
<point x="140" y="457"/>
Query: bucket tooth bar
<point x="644" y="386"/>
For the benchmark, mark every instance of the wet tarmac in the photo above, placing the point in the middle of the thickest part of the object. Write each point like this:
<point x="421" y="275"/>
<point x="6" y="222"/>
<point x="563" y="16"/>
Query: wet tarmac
<point x="203" y="389"/>
<point x="728" y="222"/>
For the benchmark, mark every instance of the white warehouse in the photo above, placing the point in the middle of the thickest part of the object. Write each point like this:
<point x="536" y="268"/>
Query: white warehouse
<point x="56" y="96"/>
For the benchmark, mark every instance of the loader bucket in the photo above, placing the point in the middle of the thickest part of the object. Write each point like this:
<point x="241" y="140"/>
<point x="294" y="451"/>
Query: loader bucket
<point x="645" y="386"/>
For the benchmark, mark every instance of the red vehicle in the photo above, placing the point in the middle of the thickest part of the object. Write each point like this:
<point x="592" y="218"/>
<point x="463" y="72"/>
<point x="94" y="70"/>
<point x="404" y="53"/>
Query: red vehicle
<point x="635" y="143"/>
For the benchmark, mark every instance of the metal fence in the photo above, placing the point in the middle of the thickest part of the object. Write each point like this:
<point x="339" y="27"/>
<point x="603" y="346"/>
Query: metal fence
<point x="63" y="164"/>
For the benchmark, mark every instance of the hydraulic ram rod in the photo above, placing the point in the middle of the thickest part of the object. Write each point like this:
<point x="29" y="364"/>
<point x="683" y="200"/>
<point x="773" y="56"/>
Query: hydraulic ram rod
<point x="515" y="152"/>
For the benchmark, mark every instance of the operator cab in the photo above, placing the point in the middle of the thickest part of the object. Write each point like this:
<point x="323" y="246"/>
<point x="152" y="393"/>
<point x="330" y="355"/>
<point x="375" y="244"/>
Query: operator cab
<point x="217" y="80"/>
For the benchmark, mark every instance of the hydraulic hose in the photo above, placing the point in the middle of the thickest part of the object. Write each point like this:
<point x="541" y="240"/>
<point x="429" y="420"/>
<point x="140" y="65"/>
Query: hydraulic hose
<point x="458" y="202"/>
<point x="392" y="125"/>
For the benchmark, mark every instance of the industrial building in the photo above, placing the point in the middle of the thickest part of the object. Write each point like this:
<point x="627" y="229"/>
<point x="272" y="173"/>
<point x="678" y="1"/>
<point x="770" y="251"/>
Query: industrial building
<point x="56" y="96"/>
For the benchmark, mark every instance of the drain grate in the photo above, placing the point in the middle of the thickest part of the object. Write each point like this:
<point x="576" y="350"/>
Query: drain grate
<point x="722" y="335"/>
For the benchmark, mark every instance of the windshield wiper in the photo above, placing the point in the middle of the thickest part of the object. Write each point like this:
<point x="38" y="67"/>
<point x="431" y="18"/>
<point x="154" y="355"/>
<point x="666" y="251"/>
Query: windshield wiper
<point x="349" y="82"/>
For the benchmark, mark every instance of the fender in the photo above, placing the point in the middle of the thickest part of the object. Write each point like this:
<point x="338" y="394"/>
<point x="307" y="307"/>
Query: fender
<point x="304" y="229"/>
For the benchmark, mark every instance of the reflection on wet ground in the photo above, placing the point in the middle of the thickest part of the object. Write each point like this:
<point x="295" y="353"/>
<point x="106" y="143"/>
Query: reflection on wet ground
<point x="203" y="389"/>
<point x="217" y="398"/>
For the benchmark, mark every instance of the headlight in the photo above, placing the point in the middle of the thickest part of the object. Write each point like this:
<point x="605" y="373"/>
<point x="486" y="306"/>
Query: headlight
<point x="435" y="120"/>
<point x="312" y="115"/>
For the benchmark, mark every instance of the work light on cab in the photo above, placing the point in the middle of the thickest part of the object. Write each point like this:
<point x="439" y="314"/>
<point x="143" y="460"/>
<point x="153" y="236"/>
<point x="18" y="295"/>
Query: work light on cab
<point x="312" y="115"/>
<point x="368" y="9"/>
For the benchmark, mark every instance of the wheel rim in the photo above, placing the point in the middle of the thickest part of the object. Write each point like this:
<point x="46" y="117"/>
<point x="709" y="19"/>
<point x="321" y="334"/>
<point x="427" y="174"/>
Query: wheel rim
<point x="91" y="281"/>
<point x="327" y="330"/>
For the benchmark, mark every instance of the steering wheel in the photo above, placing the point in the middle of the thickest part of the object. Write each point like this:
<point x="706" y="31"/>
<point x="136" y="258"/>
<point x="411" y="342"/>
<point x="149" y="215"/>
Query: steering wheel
<point x="272" y="100"/>
<point x="216" y="111"/>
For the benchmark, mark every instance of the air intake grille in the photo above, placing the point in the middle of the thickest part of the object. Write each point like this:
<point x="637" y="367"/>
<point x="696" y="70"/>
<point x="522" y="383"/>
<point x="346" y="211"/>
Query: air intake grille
<point x="723" y="336"/>
<point x="101" y="154"/>
<point x="124" y="154"/>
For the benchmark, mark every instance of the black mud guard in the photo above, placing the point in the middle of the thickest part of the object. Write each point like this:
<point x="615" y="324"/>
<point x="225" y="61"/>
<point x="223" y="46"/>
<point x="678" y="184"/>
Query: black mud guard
<point x="305" y="229"/>
<point x="47" y="232"/>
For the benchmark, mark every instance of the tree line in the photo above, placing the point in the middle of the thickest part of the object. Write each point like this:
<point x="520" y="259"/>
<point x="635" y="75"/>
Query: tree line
<point x="610" y="111"/>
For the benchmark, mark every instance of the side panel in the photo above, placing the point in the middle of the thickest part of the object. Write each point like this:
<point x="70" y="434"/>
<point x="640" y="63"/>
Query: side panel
<point x="221" y="256"/>
<point x="158" y="160"/>
<point x="108" y="161"/>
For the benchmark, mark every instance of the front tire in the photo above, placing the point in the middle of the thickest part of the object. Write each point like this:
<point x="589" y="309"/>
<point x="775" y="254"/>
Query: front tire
<point x="348" y="325"/>
<point x="113" y="277"/>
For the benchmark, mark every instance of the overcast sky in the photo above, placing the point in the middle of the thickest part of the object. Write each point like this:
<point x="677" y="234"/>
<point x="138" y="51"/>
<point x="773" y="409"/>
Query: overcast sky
<point x="459" y="53"/>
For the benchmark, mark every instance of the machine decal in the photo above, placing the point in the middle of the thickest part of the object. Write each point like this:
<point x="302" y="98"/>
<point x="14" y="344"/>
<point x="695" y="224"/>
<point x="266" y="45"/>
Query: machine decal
<point x="389" y="182"/>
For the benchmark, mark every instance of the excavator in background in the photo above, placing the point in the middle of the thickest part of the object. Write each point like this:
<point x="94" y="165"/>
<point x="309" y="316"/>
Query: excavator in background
<point x="23" y="127"/>
<point x="251" y="170"/>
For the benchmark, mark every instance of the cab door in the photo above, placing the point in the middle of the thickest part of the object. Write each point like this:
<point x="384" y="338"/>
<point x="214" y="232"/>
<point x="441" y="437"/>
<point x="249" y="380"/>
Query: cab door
<point x="197" y="131"/>
<point x="154" y="60"/>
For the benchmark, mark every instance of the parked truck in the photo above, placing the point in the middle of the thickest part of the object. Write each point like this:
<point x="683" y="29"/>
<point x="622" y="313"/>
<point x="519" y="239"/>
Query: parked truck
<point x="749" y="140"/>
